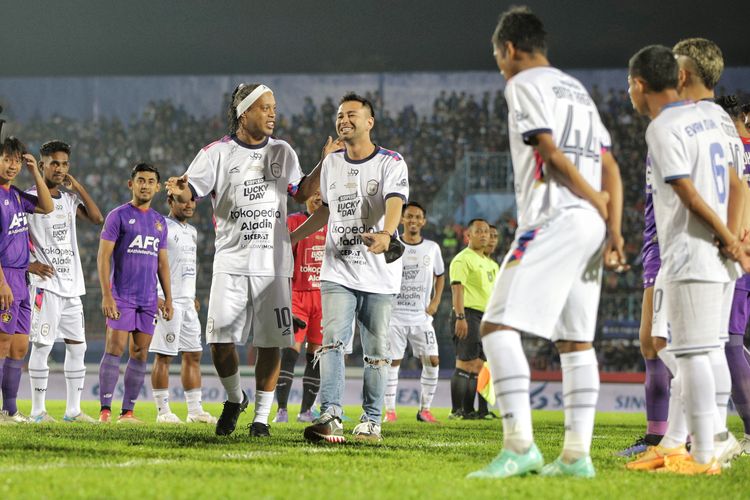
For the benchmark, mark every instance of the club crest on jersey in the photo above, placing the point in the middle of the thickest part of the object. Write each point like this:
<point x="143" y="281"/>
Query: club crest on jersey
<point x="426" y="260"/>
<point x="6" y="317"/>
<point x="158" y="226"/>
<point x="276" y="170"/>
<point x="6" y="203"/>
<point x="372" y="187"/>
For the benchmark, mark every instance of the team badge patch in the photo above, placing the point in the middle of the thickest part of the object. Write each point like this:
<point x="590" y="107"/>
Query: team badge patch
<point x="6" y="317"/>
<point x="45" y="330"/>
<point x="276" y="170"/>
<point x="158" y="226"/>
<point x="170" y="337"/>
<point x="372" y="187"/>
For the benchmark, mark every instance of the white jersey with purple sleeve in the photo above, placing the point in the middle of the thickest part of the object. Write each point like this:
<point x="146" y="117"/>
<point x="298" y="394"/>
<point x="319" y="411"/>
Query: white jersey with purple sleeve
<point x="15" y="205"/>
<point x="138" y="236"/>
<point x="686" y="142"/>
<point x="355" y="192"/>
<point x="546" y="100"/>
<point x="248" y="186"/>
<point x="56" y="245"/>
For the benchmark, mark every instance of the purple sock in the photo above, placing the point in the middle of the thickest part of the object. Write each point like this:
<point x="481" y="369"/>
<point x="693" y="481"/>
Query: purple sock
<point x="657" y="396"/>
<point x="739" y="368"/>
<point x="109" y="372"/>
<point x="134" y="375"/>
<point x="11" y="381"/>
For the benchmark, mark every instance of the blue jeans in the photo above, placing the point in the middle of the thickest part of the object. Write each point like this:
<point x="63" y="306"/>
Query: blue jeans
<point x="341" y="305"/>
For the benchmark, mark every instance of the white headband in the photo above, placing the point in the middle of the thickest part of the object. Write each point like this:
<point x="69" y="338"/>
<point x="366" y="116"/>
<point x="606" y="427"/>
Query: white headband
<point x="251" y="98"/>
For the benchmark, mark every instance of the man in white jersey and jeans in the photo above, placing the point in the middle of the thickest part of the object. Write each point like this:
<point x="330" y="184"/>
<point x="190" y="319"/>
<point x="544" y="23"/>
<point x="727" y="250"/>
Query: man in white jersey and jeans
<point x="549" y="282"/>
<point x="182" y="333"/>
<point x="414" y="307"/>
<point x="690" y="158"/>
<point x="57" y="284"/>
<point x="363" y="188"/>
<point x="249" y="175"/>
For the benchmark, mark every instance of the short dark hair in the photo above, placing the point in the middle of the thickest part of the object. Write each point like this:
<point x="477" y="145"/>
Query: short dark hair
<point x="50" y="147"/>
<point x="521" y="27"/>
<point x="745" y="108"/>
<point x="472" y="221"/>
<point x="352" y="96"/>
<point x="415" y="205"/>
<point x="240" y="92"/>
<point x="657" y="66"/>
<point x="731" y="105"/>
<point x="492" y="226"/>
<point x="145" y="167"/>
<point x="13" y="146"/>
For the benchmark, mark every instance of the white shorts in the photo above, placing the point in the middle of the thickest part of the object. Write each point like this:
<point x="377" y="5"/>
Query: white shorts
<point x="422" y="339"/>
<point x="259" y="306"/>
<point x="55" y="318"/>
<point x="726" y="312"/>
<point x="695" y="311"/>
<point x="550" y="280"/>
<point x="660" y="317"/>
<point x="180" y="334"/>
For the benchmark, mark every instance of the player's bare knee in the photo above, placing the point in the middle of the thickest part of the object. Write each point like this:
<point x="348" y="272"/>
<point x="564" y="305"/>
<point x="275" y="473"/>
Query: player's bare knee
<point x="567" y="346"/>
<point x="434" y="361"/>
<point x="162" y="359"/>
<point x="395" y="362"/>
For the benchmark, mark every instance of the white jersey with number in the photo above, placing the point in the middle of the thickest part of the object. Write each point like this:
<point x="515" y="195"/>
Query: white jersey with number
<point x="182" y="248"/>
<point x="546" y="100"/>
<point x="355" y="192"/>
<point x="726" y="125"/>
<point x="248" y="187"/>
<point x="421" y="263"/>
<point x="684" y="141"/>
<point x="56" y="245"/>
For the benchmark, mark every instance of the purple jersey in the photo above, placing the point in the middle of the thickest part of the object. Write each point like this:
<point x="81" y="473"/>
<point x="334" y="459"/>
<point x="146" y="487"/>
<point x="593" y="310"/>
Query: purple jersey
<point x="650" y="253"/>
<point x="138" y="236"/>
<point x="744" y="282"/>
<point x="14" y="227"/>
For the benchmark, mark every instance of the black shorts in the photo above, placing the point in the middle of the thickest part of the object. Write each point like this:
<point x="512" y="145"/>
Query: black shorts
<point x="470" y="348"/>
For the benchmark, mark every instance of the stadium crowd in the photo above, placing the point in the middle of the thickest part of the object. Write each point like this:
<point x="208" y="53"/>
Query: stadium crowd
<point x="433" y="145"/>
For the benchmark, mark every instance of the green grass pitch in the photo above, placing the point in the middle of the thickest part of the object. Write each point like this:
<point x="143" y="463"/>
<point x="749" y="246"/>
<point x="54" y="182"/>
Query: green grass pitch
<point x="415" y="460"/>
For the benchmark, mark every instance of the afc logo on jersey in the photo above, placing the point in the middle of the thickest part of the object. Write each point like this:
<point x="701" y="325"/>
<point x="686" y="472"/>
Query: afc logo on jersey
<point x="19" y="221"/>
<point x="145" y="243"/>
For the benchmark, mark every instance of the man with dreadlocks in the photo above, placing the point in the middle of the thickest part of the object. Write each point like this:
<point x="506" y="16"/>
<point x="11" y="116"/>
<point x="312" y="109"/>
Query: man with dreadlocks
<point x="248" y="175"/>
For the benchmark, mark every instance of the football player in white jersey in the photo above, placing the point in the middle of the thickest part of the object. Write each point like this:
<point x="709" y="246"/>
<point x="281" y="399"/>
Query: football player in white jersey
<point x="414" y="307"/>
<point x="57" y="283"/>
<point x="182" y="333"/>
<point x="701" y="65"/>
<point x="549" y="282"/>
<point x="690" y="156"/>
<point x="248" y="175"/>
<point x="363" y="187"/>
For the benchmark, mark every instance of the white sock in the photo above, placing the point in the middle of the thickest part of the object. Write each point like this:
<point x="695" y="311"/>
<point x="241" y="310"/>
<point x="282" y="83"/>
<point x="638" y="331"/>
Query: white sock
<point x="677" y="431"/>
<point x="161" y="398"/>
<point x="233" y="385"/>
<point x="429" y="381"/>
<point x="723" y="381"/>
<point x="699" y="398"/>
<point x="39" y="376"/>
<point x="193" y="399"/>
<point x="580" y="382"/>
<point x="263" y="402"/>
<point x="75" y="375"/>
<point x="391" y="387"/>
<point x="510" y="373"/>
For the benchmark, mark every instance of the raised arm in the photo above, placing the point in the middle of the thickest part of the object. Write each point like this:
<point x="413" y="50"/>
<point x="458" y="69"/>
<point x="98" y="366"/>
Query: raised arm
<point x="318" y="219"/>
<point x="44" y="204"/>
<point x="89" y="211"/>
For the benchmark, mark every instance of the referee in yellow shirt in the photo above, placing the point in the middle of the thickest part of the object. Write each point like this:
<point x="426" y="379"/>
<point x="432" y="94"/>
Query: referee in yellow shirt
<point x="472" y="276"/>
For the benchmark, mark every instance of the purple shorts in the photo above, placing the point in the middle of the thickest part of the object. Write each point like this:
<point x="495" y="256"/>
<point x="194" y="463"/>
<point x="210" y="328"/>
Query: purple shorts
<point x="17" y="318"/>
<point x="651" y="264"/>
<point x="740" y="309"/>
<point x="132" y="318"/>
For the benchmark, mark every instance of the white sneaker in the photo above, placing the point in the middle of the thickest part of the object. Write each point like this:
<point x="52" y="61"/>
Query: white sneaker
<point x="745" y="444"/>
<point x="20" y="418"/>
<point x="369" y="431"/>
<point x="81" y="417"/>
<point x="6" y="419"/>
<point x="727" y="450"/>
<point x="168" y="418"/>
<point x="203" y="417"/>
<point x="42" y="418"/>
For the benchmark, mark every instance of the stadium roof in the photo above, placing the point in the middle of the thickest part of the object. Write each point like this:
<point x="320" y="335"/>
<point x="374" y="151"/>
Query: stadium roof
<point x="138" y="37"/>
